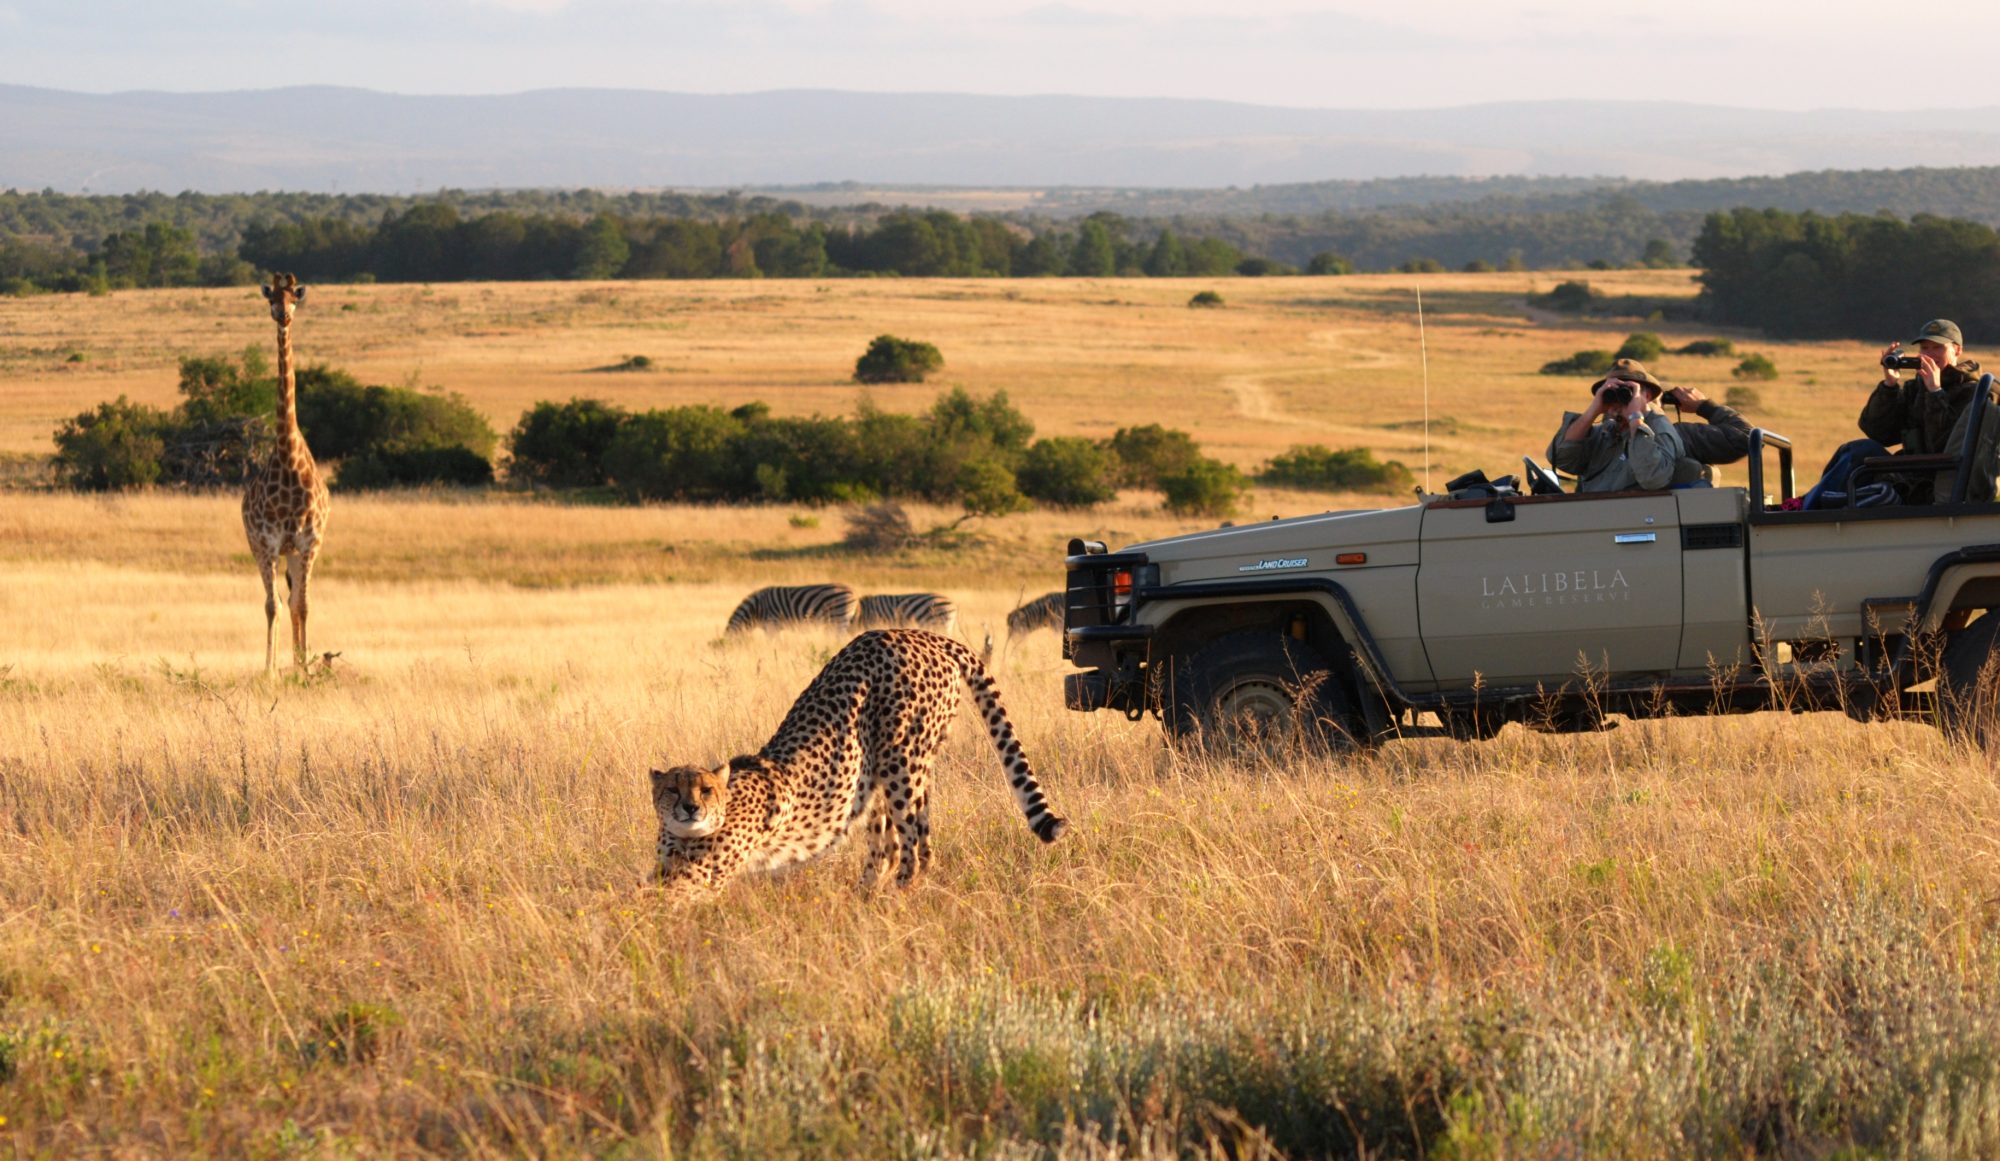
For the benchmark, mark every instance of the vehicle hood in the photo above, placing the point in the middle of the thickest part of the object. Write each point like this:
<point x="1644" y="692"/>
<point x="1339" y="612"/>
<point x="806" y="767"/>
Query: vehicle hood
<point x="1300" y="544"/>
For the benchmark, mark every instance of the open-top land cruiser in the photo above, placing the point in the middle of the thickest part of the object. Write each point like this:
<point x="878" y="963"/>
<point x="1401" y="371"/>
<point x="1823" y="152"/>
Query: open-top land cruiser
<point x="1548" y="609"/>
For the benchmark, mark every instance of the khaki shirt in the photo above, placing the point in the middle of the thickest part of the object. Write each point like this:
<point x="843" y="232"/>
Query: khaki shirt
<point x="1608" y="460"/>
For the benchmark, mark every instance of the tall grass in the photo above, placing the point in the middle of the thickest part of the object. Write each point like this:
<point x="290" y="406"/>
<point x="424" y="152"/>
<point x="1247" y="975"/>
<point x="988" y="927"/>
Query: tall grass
<point x="393" y="909"/>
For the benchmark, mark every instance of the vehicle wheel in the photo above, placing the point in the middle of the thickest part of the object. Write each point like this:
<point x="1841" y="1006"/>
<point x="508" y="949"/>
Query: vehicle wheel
<point x="1259" y="691"/>
<point x="1968" y="684"/>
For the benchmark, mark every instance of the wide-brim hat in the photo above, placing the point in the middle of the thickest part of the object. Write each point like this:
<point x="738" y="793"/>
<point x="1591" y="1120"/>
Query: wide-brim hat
<point x="1635" y="371"/>
<point x="1939" y="330"/>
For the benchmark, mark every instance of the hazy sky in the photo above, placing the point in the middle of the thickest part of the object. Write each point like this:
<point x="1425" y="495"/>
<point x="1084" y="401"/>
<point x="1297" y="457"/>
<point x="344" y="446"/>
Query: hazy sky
<point x="1285" y="52"/>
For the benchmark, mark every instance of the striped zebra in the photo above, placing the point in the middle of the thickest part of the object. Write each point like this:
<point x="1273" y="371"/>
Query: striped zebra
<point x="782" y="605"/>
<point x="1044" y="612"/>
<point x="931" y="611"/>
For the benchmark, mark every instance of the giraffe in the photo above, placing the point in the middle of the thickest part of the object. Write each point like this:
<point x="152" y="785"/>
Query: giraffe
<point x="285" y="505"/>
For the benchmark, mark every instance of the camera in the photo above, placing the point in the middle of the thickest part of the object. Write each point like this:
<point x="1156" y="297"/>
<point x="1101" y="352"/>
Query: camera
<point x="1897" y="361"/>
<point x="1616" y="394"/>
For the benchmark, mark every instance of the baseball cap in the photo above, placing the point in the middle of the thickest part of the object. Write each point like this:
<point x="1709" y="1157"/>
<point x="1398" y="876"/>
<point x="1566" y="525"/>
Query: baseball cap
<point x="1635" y="371"/>
<point x="1939" y="330"/>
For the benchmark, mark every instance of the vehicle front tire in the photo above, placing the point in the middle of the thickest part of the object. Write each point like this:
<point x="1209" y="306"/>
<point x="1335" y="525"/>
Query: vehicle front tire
<point x="1968" y="683"/>
<point x="1258" y="691"/>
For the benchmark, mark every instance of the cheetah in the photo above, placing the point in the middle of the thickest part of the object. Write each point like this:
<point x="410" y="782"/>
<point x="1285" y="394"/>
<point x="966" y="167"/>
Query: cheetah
<point x="857" y="745"/>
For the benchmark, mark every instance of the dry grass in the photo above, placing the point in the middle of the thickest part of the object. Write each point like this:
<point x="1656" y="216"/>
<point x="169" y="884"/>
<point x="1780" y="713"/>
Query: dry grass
<point x="390" y="910"/>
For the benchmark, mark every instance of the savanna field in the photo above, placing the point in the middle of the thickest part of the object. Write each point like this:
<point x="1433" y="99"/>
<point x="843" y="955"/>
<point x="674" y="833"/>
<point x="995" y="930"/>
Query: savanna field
<point x="392" y="907"/>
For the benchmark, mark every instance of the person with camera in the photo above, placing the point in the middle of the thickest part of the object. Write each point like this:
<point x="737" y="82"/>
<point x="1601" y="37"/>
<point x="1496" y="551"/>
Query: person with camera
<point x="1621" y="442"/>
<point x="1722" y="436"/>
<point x="1917" y="416"/>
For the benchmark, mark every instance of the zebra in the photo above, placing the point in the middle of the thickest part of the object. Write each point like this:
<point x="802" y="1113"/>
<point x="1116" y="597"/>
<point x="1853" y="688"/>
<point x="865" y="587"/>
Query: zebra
<point x="782" y="605"/>
<point x="1044" y="612"/>
<point x="932" y="611"/>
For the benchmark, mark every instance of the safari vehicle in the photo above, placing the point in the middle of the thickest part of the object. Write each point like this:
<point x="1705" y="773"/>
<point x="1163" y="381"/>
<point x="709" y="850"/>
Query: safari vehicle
<point x="1549" y="609"/>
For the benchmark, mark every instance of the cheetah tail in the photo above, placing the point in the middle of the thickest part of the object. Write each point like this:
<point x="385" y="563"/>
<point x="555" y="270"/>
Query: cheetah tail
<point x="1046" y="824"/>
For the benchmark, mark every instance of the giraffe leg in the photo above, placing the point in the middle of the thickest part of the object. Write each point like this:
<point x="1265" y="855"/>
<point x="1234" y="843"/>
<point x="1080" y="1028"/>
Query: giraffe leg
<point x="298" y="575"/>
<point x="268" y="567"/>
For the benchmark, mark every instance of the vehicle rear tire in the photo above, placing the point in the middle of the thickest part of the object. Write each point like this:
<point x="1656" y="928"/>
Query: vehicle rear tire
<point x="1258" y="691"/>
<point x="1968" y="683"/>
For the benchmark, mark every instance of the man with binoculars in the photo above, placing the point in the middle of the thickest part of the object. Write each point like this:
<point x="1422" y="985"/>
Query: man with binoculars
<point x="1634" y="448"/>
<point x="1925" y="414"/>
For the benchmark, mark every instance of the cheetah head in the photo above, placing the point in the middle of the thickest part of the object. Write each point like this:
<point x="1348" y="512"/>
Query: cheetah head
<point x="690" y="800"/>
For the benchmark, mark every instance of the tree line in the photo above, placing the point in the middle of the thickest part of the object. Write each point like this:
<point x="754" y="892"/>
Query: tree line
<point x="1868" y="276"/>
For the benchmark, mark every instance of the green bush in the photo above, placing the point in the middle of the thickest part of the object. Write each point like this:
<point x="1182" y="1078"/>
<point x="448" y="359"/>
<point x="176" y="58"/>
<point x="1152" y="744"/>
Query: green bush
<point x="676" y="453"/>
<point x="1328" y="262"/>
<point x="116" y="446"/>
<point x="1743" y="397"/>
<point x="987" y="488"/>
<point x="341" y="417"/>
<point x="893" y="360"/>
<point x="1581" y="363"/>
<point x="1644" y="346"/>
<point x="1261" y="267"/>
<point x="1478" y="266"/>
<point x="1204" y="488"/>
<point x="1707" y="347"/>
<point x="1148" y="454"/>
<point x="389" y="468"/>
<point x="1320" y="468"/>
<point x="1421" y="266"/>
<point x="1756" y="367"/>
<point x="1069" y="471"/>
<point x="562" y="445"/>
<point x="1205" y="298"/>
<point x="1571" y="297"/>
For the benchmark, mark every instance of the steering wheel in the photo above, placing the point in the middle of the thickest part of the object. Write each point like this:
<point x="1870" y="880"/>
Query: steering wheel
<point x="1541" y="481"/>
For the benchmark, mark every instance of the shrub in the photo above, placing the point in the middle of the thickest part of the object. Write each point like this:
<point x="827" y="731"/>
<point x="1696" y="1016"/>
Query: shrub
<point x="1351" y="469"/>
<point x="562" y="445"/>
<point x="341" y="417"/>
<point x="1756" y="367"/>
<point x="1205" y="298"/>
<point x="1148" y="454"/>
<point x="1644" y="346"/>
<point x="893" y="360"/>
<point x="986" y="488"/>
<point x="676" y="453"/>
<point x="1478" y="266"/>
<point x="116" y="446"/>
<point x="1421" y="266"/>
<point x="1744" y="397"/>
<point x="1069" y="472"/>
<point x="1328" y="262"/>
<point x="390" y="468"/>
<point x="1571" y="297"/>
<point x="1204" y="488"/>
<point x="1581" y="363"/>
<point x="1260" y="267"/>
<point x="1707" y="347"/>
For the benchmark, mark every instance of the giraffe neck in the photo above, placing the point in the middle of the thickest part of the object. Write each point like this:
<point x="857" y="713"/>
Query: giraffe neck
<point x="288" y="399"/>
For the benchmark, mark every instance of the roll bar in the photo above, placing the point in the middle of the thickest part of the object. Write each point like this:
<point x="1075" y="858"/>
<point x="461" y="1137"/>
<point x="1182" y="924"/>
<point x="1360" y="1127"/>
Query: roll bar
<point x="1759" y="440"/>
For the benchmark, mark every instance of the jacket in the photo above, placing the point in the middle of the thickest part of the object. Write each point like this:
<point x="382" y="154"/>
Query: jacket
<point x="1608" y="460"/>
<point x="1723" y="437"/>
<point x="1921" y="420"/>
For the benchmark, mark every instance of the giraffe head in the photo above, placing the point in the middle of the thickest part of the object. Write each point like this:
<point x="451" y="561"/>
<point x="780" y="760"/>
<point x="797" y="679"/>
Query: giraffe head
<point x="284" y="294"/>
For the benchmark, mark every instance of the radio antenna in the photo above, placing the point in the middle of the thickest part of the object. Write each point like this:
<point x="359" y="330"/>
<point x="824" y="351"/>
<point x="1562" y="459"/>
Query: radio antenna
<point x="1424" y="356"/>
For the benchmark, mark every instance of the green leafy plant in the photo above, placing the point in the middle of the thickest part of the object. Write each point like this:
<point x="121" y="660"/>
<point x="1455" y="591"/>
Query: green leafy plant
<point x="889" y="359"/>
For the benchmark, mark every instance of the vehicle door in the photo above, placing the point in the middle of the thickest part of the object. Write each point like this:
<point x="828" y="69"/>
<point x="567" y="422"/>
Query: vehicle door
<point x="1534" y="589"/>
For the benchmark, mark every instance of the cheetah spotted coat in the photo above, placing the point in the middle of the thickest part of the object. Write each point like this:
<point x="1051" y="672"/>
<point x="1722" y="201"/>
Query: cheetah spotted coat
<point x="858" y="744"/>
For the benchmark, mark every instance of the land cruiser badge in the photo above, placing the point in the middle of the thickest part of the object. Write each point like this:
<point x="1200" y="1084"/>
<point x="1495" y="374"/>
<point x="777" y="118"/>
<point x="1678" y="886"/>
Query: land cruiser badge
<point x="1273" y="565"/>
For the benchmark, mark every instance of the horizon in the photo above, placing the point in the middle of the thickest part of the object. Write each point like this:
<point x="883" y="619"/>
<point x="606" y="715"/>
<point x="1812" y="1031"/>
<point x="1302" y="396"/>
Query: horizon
<point x="808" y="90"/>
<point x="1300" y="54"/>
